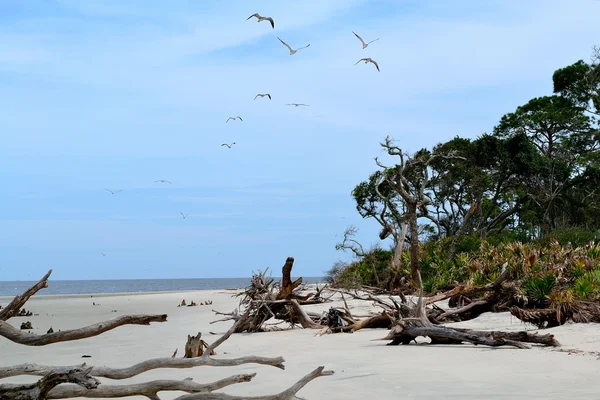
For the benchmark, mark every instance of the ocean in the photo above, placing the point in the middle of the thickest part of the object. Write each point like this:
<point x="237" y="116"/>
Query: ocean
<point x="8" y="288"/>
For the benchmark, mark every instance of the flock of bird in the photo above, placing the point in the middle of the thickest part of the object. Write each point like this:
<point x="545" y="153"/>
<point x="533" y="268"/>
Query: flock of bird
<point x="292" y="51"/>
<point x="260" y="18"/>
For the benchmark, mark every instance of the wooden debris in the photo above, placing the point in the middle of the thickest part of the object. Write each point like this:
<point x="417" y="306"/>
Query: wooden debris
<point x="61" y="382"/>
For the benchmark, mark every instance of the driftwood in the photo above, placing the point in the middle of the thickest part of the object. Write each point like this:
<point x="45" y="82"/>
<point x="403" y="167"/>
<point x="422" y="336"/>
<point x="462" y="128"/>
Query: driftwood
<point x="577" y="311"/>
<point x="149" y="389"/>
<point x="407" y="330"/>
<point x="30" y="339"/>
<point x="500" y="298"/>
<point x="41" y="389"/>
<point x="59" y="382"/>
<point x="288" y="394"/>
<point x="265" y="299"/>
<point x="195" y="346"/>
<point x="469" y="291"/>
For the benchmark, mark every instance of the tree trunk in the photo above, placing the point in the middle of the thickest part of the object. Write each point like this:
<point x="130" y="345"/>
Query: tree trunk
<point x="414" y="240"/>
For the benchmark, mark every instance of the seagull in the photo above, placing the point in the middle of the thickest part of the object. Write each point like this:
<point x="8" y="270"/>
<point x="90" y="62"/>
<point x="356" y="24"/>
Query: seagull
<point x="297" y="104"/>
<point x="259" y="18"/>
<point x="362" y="41"/>
<point x="228" y="145"/>
<point x="116" y="191"/>
<point x="162" y="181"/>
<point x="103" y="254"/>
<point x="184" y="215"/>
<point x="292" y="51"/>
<point x="234" y="118"/>
<point x="369" y="60"/>
<point x="263" y="95"/>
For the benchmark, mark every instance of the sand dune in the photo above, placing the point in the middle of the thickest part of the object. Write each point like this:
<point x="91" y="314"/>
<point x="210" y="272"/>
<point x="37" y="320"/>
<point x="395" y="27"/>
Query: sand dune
<point x="363" y="368"/>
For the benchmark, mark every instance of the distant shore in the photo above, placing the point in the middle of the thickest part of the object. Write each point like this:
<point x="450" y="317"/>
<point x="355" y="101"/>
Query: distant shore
<point x="5" y="299"/>
<point x="131" y="286"/>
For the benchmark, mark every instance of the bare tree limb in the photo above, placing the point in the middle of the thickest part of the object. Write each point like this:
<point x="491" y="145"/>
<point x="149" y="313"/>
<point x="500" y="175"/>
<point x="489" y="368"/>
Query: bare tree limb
<point x="19" y="301"/>
<point x="287" y="394"/>
<point x="148" y="389"/>
<point x="30" y="339"/>
<point x="41" y="388"/>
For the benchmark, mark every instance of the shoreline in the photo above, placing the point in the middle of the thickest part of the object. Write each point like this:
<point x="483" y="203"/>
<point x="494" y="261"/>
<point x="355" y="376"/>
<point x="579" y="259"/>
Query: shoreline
<point x="365" y="367"/>
<point x="119" y="294"/>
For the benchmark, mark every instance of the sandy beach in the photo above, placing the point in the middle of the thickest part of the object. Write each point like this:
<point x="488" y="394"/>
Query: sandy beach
<point x="363" y="368"/>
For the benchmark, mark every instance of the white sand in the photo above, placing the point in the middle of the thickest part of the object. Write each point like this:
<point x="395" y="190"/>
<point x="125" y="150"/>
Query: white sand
<point x="363" y="368"/>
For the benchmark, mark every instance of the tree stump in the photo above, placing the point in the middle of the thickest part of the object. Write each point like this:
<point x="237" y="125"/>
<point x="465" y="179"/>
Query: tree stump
<point x="195" y="346"/>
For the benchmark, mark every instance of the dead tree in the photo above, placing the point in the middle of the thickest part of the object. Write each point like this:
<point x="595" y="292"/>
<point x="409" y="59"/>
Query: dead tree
<point x="409" y="179"/>
<point x="407" y="330"/>
<point x="264" y="299"/>
<point x="62" y="382"/>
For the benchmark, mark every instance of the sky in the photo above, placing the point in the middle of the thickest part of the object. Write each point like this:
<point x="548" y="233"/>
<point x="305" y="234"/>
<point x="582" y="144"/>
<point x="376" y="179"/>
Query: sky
<point x="118" y="94"/>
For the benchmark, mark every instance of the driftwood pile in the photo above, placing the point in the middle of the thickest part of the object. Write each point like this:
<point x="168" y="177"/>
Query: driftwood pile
<point x="264" y="300"/>
<point x="62" y="382"/>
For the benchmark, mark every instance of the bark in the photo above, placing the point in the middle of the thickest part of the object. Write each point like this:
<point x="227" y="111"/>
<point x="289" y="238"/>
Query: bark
<point x="287" y="286"/>
<point x="521" y="336"/>
<point x="413" y="227"/>
<point x="405" y="333"/>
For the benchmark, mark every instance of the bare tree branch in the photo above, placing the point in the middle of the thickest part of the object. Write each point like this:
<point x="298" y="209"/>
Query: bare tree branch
<point x="288" y="394"/>
<point x="19" y="301"/>
<point x="148" y="389"/>
<point x="30" y="339"/>
<point x="351" y="244"/>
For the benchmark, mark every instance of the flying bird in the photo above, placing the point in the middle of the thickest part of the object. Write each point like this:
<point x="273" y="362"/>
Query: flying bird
<point x="228" y="145"/>
<point x="297" y="104"/>
<point x="362" y="41"/>
<point x="103" y="254"/>
<point x="162" y="181"/>
<point x="113" y="192"/>
<point x="263" y="95"/>
<point x="234" y="118"/>
<point x="184" y="215"/>
<point x="369" y="60"/>
<point x="292" y="51"/>
<point x="260" y="19"/>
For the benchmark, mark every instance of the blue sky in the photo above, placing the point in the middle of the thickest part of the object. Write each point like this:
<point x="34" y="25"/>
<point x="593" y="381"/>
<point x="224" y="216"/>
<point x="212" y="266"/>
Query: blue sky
<point x="117" y="94"/>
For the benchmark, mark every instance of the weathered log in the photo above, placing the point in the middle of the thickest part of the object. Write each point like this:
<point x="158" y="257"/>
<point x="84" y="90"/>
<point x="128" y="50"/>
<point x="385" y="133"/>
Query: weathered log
<point x="404" y="333"/>
<point x="520" y="336"/>
<point x="41" y="389"/>
<point x="30" y="339"/>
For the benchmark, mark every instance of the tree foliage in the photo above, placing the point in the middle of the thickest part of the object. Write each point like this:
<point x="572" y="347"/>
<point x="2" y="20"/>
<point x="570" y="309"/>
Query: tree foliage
<point x="535" y="175"/>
